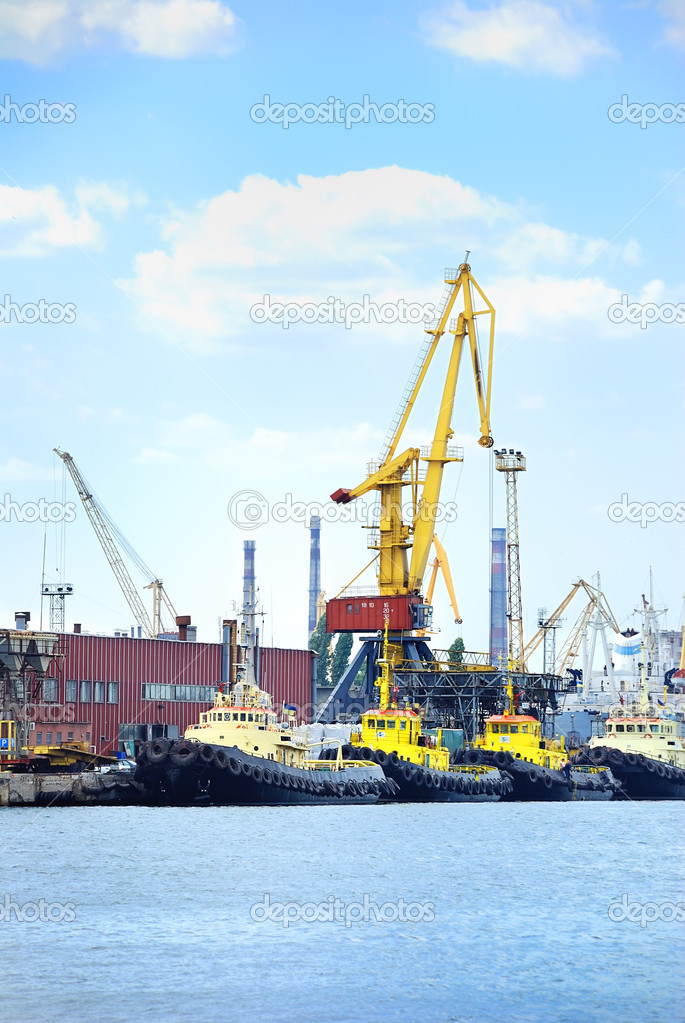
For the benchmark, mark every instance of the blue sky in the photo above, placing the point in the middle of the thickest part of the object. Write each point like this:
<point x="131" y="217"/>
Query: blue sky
<point x="164" y="214"/>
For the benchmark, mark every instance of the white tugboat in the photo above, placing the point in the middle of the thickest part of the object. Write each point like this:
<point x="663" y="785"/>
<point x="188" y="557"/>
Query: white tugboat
<point x="642" y="746"/>
<point x="239" y="752"/>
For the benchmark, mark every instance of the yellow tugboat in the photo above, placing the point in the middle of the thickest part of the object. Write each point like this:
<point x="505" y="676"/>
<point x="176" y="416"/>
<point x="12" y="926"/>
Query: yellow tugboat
<point x="539" y="767"/>
<point x="392" y="737"/>
<point x="642" y="747"/>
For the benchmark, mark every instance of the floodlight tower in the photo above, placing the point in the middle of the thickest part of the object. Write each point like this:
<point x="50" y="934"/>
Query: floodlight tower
<point x="548" y="625"/>
<point x="57" y="592"/>
<point x="510" y="463"/>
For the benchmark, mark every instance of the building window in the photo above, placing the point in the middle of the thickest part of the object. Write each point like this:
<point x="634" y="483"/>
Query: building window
<point x="39" y="738"/>
<point x="99" y="692"/>
<point x="50" y="690"/>
<point x="70" y="736"/>
<point x="85" y="692"/>
<point x="59" y="738"/>
<point x="112" y="692"/>
<point x="180" y="694"/>
<point x="48" y="738"/>
<point x="70" y="690"/>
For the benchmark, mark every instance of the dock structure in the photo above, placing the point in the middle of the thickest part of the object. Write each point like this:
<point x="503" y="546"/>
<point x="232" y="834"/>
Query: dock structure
<point x="88" y="788"/>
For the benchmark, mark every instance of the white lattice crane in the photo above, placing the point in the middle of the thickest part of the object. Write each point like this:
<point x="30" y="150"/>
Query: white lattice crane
<point x="106" y="532"/>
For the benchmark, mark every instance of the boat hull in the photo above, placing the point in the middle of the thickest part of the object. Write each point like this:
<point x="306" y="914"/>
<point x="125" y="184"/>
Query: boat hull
<point x="535" y="783"/>
<point x="531" y="785"/>
<point x="416" y="784"/>
<point x="640" y="777"/>
<point x="236" y="778"/>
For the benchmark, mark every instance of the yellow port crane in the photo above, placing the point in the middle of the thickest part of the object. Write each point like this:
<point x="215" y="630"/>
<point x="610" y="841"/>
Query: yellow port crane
<point x="398" y="575"/>
<point x="106" y="531"/>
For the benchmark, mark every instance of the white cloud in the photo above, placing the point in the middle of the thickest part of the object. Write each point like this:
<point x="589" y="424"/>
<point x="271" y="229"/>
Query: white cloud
<point x="39" y="31"/>
<point x="15" y="469"/>
<point x="37" y="221"/>
<point x="372" y="232"/>
<point x="117" y="199"/>
<point x="673" y="11"/>
<point x="520" y="34"/>
<point x="221" y="444"/>
<point x="632" y="252"/>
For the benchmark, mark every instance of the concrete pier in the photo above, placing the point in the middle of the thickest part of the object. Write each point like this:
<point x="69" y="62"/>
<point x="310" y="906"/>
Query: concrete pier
<point x="87" y="789"/>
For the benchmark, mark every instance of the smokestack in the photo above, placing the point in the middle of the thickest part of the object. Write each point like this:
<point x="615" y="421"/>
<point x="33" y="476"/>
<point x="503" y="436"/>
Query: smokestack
<point x="182" y="623"/>
<point x="248" y="574"/>
<point x="21" y="620"/>
<point x="498" y="597"/>
<point x="314" y="569"/>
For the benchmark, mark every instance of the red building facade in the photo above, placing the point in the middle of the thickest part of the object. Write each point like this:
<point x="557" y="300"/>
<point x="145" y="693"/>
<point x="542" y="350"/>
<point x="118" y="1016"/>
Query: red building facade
<point x="115" y="692"/>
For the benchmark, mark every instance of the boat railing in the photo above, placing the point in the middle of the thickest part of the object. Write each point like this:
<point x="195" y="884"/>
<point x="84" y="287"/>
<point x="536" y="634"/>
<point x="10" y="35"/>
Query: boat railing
<point x="334" y="765"/>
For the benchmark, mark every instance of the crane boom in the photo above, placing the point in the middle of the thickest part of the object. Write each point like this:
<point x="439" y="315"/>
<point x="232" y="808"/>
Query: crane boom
<point x="395" y="574"/>
<point x="102" y="531"/>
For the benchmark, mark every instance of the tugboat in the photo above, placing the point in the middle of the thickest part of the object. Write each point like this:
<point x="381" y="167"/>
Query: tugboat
<point x="415" y="763"/>
<point x="240" y="753"/>
<point x="540" y="769"/>
<point x="642" y="747"/>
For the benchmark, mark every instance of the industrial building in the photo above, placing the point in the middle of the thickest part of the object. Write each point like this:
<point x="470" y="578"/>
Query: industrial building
<point x="114" y="692"/>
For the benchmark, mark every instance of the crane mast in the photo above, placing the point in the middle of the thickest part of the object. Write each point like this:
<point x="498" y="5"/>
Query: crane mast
<point x="99" y="523"/>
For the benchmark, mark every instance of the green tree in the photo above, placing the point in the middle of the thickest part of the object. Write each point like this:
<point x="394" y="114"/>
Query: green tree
<point x="456" y="651"/>
<point x="320" y="642"/>
<point x="341" y="656"/>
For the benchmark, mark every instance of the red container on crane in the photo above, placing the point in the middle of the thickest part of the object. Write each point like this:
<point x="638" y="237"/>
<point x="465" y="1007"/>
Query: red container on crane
<point x="369" y="614"/>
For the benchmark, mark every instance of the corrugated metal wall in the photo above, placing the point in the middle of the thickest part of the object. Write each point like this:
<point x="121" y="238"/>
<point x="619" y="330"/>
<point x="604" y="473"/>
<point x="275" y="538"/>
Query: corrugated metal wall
<point x="287" y="675"/>
<point x="133" y="663"/>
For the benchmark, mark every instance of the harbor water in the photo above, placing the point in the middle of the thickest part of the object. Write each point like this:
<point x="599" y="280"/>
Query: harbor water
<point x="474" y="913"/>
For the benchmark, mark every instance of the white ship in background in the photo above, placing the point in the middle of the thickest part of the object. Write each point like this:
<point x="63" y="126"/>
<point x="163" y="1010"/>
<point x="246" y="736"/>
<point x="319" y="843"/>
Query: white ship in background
<point x="595" y="692"/>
